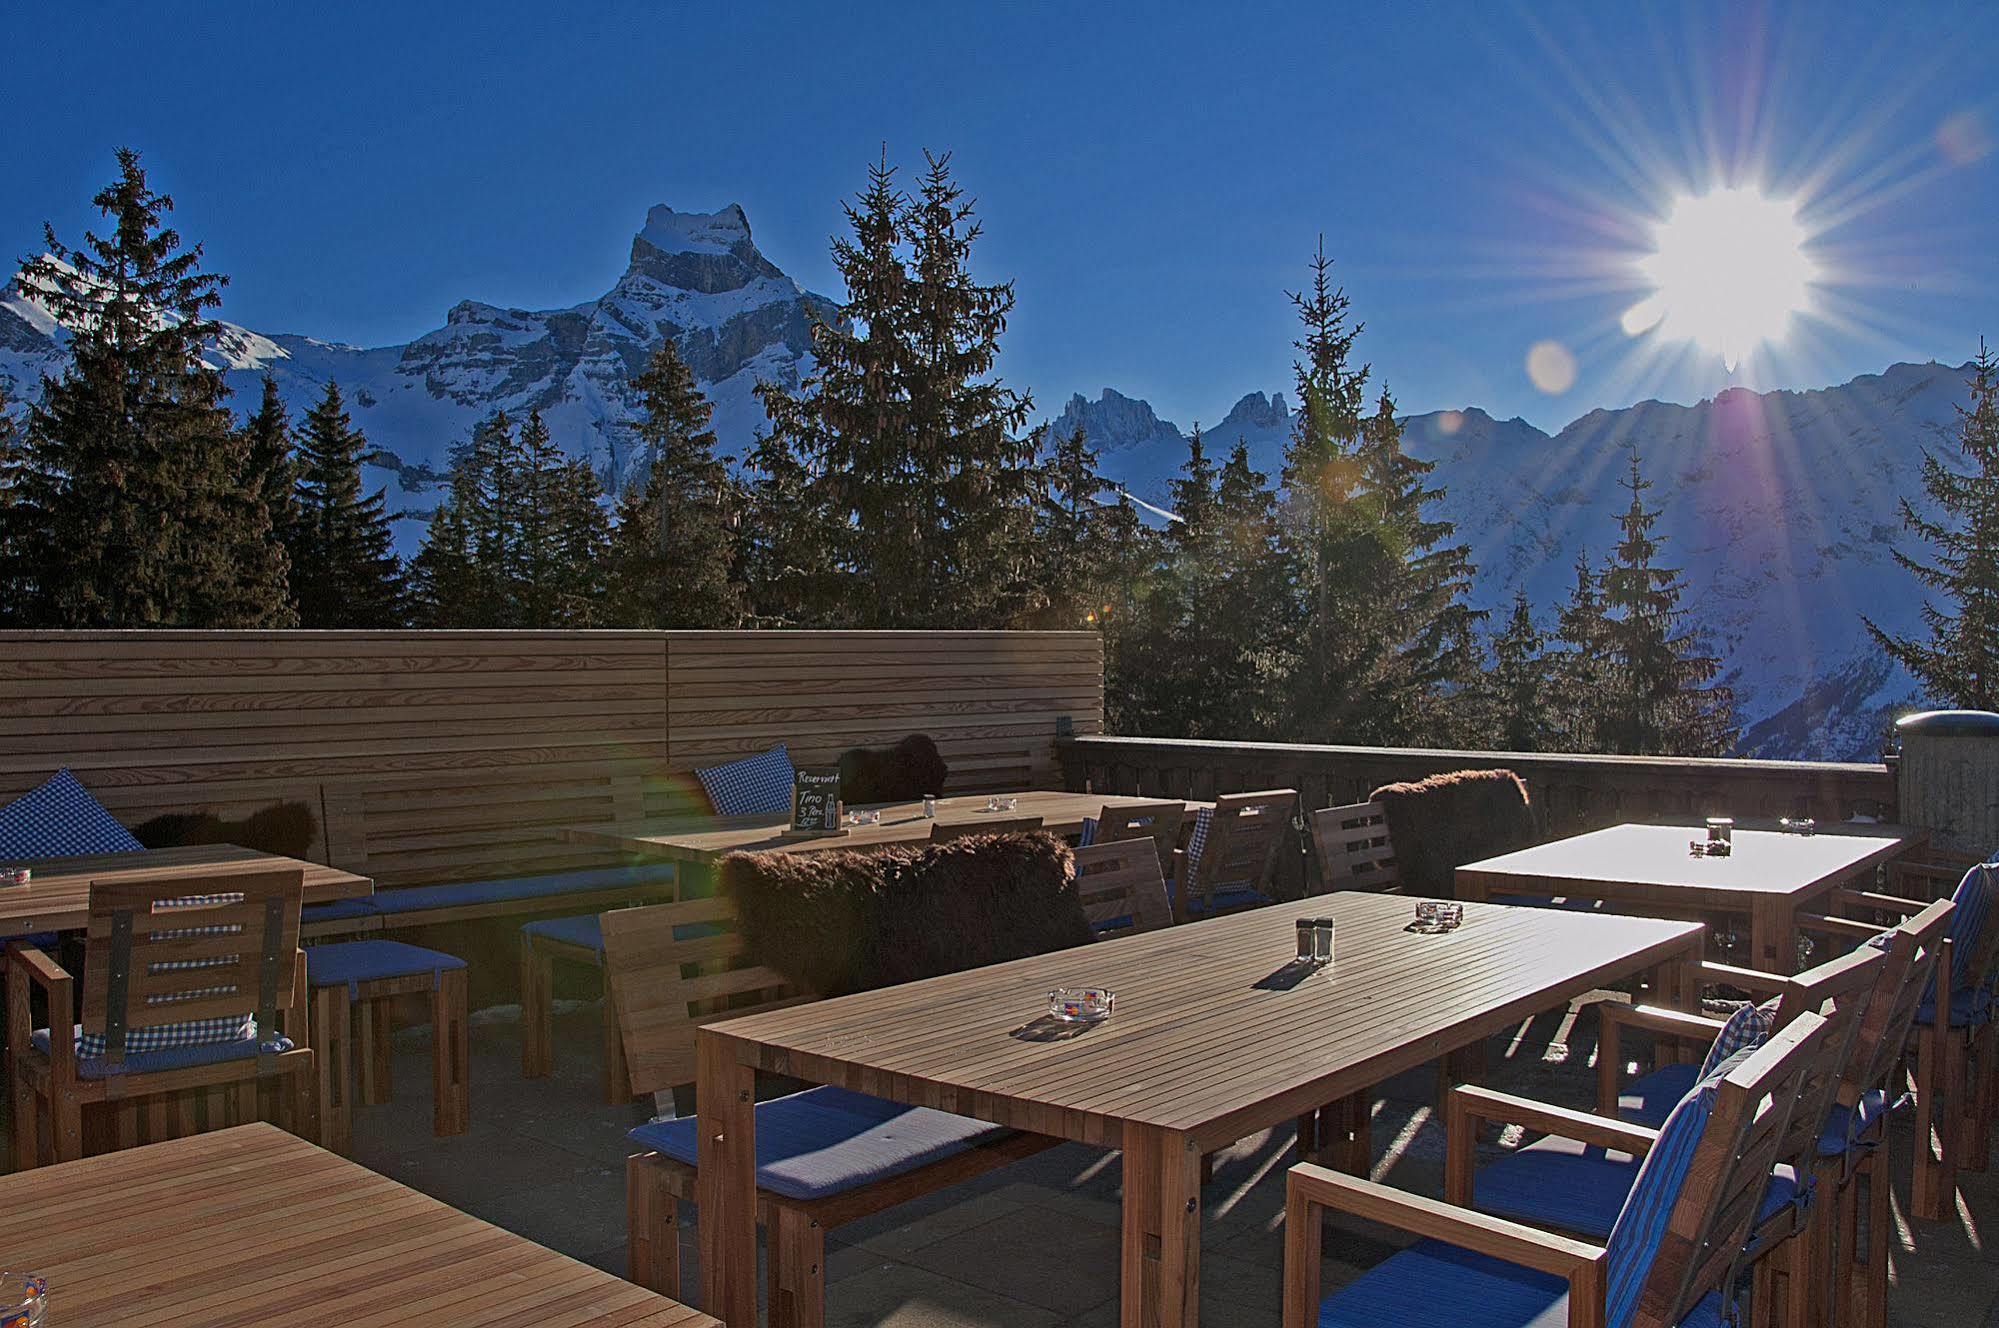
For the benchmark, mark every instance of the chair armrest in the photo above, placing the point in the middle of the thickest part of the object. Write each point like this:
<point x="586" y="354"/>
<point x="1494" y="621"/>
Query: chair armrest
<point x="1467" y="1107"/>
<point x="1874" y="899"/>
<point x="1311" y="1188"/>
<point x="26" y="964"/>
<point x="1676" y="1025"/>
<point x="1749" y="979"/>
<point x="41" y="970"/>
<point x="1845" y="929"/>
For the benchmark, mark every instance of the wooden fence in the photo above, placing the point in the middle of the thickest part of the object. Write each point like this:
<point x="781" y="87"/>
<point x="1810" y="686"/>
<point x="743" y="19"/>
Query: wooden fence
<point x="438" y="756"/>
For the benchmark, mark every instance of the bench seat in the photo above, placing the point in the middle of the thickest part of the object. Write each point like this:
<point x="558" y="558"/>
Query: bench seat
<point x="582" y="930"/>
<point x="421" y="905"/>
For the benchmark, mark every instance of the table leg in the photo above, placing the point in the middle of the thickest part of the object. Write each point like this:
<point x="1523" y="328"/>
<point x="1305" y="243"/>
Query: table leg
<point x="1160" y="1277"/>
<point x="725" y="1187"/>
<point x="1773" y="936"/>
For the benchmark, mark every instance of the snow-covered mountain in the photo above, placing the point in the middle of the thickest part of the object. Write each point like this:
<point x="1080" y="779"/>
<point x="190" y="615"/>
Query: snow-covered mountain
<point x="695" y="277"/>
<point x="1780" y="507"/>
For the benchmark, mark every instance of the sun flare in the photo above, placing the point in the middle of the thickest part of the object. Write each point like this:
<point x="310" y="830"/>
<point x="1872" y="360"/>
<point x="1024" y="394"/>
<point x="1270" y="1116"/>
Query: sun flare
<point x="1728" y="271"/>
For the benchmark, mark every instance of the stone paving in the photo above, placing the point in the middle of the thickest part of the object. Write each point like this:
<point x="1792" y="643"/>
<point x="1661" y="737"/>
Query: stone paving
<point x="1034" y="1246"/>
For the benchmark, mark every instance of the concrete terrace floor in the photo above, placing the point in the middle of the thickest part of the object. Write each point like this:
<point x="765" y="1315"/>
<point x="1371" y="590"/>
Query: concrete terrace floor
<point x="1036" y="1245"/>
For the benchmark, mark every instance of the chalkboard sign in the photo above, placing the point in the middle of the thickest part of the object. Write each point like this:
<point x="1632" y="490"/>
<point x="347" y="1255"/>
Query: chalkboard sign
<point x="815" y="802"/>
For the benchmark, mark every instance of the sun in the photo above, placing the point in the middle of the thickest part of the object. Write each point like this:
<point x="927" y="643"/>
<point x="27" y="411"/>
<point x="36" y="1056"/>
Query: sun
<point x="1728" y="271"/>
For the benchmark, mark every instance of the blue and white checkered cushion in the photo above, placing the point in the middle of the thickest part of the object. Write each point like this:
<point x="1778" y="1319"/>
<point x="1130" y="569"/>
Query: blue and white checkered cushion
<point x="757" y="785"/>
<point x="1746" y="1030"/>
<point x="190" y="1032"/>
<point x="60" y="820"/>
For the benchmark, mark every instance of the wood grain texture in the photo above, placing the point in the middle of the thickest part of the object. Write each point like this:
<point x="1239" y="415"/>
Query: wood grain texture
<point x="57" y="895"/>
<point x="251" y="1225"/>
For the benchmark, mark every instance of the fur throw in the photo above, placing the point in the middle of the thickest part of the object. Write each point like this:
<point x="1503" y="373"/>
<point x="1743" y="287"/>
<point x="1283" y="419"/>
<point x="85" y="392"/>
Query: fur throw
<point x="846" y="920"/>
<point x="284" y="828"/>
<point x="1440" y="823"/>
<point x="901" y="773"/>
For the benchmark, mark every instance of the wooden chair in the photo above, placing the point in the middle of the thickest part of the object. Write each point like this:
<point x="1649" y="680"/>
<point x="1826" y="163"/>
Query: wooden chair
<point x="945" y="831"/>
<point x="1231" y="854"/>
<point x="674" y="967"/>
<point x="1159" y="822"/>
<point x="1352" y="850"/>
<point x="1121" y="887"/>
<point x="169" y="979"/>
<point x="366" y="978"/>
<point x="1676" y="1242"/>
<point x="579" y="941"/>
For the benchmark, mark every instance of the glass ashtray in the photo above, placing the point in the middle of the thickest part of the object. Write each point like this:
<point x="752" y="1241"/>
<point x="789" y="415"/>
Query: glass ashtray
<point x="15" y="875"/>
<point x="999" y="804"/>
<point x="1798" y="825"/>
<point x="1081" y="1005"/>
<point x="869" y="817"/>
<point x="1433" y="916"/>
<point x="23" y="1300"/>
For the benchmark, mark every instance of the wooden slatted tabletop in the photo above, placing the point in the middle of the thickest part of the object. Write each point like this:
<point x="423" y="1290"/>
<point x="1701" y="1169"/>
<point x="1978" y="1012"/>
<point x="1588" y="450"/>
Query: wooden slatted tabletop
<point x="1768" y="875"/>
<point x="708" y="840"/>
<point x="254" y="1226"/>
<point x="1213" y="1039"/>
<point x="57" y="895"/>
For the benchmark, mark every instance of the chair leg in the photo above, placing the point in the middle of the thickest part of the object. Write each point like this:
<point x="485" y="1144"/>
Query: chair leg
<point x="1978" y="1120"/>
<point x="652" y="1231"/>
<point x="66" y="1128"/>
<point x="537" y="1012"/>
<point x="27" y="1124"/>
<point x="1867" y="1286"/>
<point x="451" y="1055"/>
<point x="797" y="1253"/>
<point x="1926" y="1190"/>
<point x="377" y="1029"/>
<point x="298" y="1095"/>
<point x="617" y="1075"/>
<point x="332" y="1035"/>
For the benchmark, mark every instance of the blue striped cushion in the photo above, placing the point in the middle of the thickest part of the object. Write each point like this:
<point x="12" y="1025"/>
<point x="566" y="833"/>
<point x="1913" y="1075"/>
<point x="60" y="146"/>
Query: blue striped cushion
<point x="1437" y="1285"/>
<point x="1650" y="1098"/>
<point x="60" y="820"/>
<point x="757" y="785"/>
<point x="1747" y="1029"/>
<point x="1973" y="899"/>
<point x="1572" y="1186"/>
<point x="1634" y="1242"/>
<point x="1088" y="835"/>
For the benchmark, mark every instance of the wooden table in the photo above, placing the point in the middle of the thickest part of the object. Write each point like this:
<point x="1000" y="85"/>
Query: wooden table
<point x="1215" y="1037"/>
<point x="57" y="895"/>
<point x="707" y="840"/>
<point x="254" y="1226"/>
<point x="1770" y="876"/>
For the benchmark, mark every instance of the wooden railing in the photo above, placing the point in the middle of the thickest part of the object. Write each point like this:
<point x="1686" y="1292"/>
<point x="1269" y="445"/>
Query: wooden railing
<point x="1570" y="792"/>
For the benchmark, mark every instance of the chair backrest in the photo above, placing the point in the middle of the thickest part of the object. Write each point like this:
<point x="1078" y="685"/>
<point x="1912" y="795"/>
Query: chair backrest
<point x="1840" y="991"/>
<point x="1239" y="845"/>
<point x="945" y="831"/>
<point x="673" y="967"/>
<point x="1910" y="953"/>
<point x="1122" y="888"/>
<point x="1974" y="928"/>
<point x="1353" y="849"/>
<point x="1156" y="821"/>
<point x="170" y="950"/>
<point x="1684" y="1227"/>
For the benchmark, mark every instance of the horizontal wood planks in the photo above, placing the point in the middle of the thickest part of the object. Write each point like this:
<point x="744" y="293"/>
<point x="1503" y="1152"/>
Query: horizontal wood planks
<point x="438" y="756"/>
<point x="251" y="1225"/>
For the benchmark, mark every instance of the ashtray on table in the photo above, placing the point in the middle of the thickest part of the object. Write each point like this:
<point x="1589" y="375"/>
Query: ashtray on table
<point x="1081" y="1005"/>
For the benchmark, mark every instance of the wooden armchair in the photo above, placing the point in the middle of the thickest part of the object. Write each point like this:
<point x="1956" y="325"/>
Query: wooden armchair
<point x="672" y="968"/>
<point x="1159" y="822"/>
<point x="190" y="1005"/>
<point x="1675" y="1243"/>
<point x="1231" y="854"/>
<point x="1121" y="887"/>
<point x="1352" y="849"/>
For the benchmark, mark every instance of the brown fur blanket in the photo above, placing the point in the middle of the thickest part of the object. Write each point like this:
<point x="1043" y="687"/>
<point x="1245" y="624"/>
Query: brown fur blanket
<point x="1440" y="823"/>
<point x="845" y="920"/>
<point x="285" y="828"/>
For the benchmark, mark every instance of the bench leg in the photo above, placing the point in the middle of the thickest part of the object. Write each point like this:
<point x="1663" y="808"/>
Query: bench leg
<point x="1935" y="1182"/>
<point x="537" y="1012"/>
<point x="1977" y="1144"/>
<point x="333" y="1063"/>
<point x="652" y="1231"/>
<point x="65" y="1128"/>
<point x="377" y="1029"/>
<point x="1867" y="1287"/>
<point x="451" y="1054"/>
<point x="617" y="1075"/>
<point x="797" y="1254"/>
<point x="27" y="1124"/>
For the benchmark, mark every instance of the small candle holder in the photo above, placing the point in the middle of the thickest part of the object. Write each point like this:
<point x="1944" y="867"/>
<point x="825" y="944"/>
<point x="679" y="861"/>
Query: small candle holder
<point x="871" y="816"/>
<point x="999" y="804"/>
<point x="1436" y="916"/>
<point x="1798" y="825"/>
<point x="1081" y="1005"/>
<point x="15" y="876"/>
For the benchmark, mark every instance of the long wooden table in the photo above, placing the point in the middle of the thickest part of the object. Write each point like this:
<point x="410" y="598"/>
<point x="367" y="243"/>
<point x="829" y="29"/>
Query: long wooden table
<point x="1215" y="1037"/>
<point x="1769" y="876"/>
<point x="57" y="895"/>
<point x="254" y="1226"/>
<point x="706" y="841"/>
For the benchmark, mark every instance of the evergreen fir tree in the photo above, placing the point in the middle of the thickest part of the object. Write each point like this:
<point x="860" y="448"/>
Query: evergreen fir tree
<point x="673" y="553"/>
<point x="1519" y="688"/>
<point x="1086" y="544"/>
<point x="14" y="585"/>
<point x="1580" y="665"/>
<point x="134" y="485"/>
<point x="271" y="470"/>
<point x="1664" y="699"/>
<point x="788" y="542"/>
<point x="1958" y="659"/>
<point x="561" y="536"/>
<point x="344" y="568"/>
<point x="459" y="577"/>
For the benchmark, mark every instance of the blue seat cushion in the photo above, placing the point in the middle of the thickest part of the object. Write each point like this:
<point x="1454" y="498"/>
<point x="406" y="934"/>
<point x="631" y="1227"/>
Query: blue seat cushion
<point x="166" y="1058"/>
<point x="827" y="1141"/>
<point x="757" y="785"/>
<point x="1225" y="899"/>
<point x="1969" y="1007"/>
<point x="341" y="910"/>
<point x="420" y="898"/>
<point x="351" y="963"/>
<point x="59" y="819"/>
<point x="581" y="929"/>
<point x="1846" y="1128"/>
<point x="1650" y="1098"/>
<point x="1560" y="1183"/>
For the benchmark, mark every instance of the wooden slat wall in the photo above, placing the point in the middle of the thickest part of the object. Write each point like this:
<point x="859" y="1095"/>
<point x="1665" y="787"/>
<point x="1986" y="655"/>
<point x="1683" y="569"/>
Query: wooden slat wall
<point x="438" y="756"/>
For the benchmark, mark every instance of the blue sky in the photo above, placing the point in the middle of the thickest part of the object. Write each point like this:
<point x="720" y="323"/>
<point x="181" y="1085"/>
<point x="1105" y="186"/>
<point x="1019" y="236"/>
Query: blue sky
<point x="1153" y="177"/>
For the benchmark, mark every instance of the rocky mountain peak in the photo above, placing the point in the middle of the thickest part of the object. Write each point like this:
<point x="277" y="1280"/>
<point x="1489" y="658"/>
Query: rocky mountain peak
<point x="707" y="252"/>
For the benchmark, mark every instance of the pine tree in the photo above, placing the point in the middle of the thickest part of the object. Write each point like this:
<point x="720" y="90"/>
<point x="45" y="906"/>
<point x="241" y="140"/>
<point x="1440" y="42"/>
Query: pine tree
<point x="674" y="550"/>
<point x="14" y="584"/>
<point x="1958" y="660"/>
<point x="1580" y="665"/>
<point x="134" y="484"/>
<point x="562" y="539"/>
<point x="788" y="542"/>
<point x="1088" y="546"/>
<point x="272" y="471"/>
<point x="459" y="577"/>
<point x="1664" y="699"/>
<point x="344" y="568"/>
<point x="1520" y="696"/>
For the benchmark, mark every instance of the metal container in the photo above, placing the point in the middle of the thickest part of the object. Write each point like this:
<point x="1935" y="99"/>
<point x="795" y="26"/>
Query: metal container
<point x="1947" y="778"/>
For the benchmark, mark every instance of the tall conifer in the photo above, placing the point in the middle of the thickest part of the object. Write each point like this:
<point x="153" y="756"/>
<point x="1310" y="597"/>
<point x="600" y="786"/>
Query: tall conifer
<point x="1521" y="701"/>
<point x="14" y="584"/>
<point x="344" y="568"/>
<point x="1581" y="665"/>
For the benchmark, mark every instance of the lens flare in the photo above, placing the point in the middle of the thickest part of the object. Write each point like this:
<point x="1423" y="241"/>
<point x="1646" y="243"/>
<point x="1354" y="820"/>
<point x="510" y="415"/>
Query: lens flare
<point x="1728" y="270"/>
<point x="1551" y="366"/>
